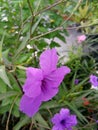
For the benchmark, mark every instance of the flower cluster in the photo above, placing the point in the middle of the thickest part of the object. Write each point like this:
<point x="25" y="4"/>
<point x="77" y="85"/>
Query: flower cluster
<point x="64" y="120"/>
<point x="42" y="83"/>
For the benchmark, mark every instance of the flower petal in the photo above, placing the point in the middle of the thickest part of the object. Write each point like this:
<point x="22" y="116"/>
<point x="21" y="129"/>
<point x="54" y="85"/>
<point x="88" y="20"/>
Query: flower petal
<point x="48" y="61"/>
<point x="30" y="106"/>
<point x="52" y="82"/>
<point x="32" y="86"/>
<point x="57" y="128"/>
<point x="73" y="120"/>
<point x="56" y="119"/>
<point x="56" y="77"/>
<point x="48" y="92"/>
<point x="94" y="80"/>
<point x="64" y="113"/>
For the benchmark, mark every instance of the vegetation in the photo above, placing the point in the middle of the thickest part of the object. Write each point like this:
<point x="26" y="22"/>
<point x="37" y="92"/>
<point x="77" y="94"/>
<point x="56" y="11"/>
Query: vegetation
<point x="25" y="26"/>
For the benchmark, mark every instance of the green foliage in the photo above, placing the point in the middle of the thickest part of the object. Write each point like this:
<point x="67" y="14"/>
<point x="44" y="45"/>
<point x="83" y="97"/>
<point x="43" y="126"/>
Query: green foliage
<point x="31" y="22"/>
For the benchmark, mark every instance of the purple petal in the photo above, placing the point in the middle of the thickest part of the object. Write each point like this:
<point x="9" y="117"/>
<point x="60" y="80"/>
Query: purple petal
<point x="30" y="106"/>
<point x="52" y="82"/>
<point x="96" y="121"/>
<point x="64" y="113"/>
<point x="56" y="119"/>
<point x="48" y="61"/>
<point x="73" y="120"/>
<point x="56" y="77"/>
<point x="32" y="86"/>
<point x="94" y="80"/>
<point x="76" y="81"/>
<point x="69" y="128"/>
<point x="48" y="92"/>
<point x="57" y="128"/>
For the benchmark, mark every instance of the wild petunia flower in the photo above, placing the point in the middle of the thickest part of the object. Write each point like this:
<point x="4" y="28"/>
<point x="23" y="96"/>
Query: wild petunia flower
<point x="42" y="83"/>
<point x="76" y="81"/>
<point x="81" y="38"/>
<point x="94" y="81"/>
<point x="96" y="121"/>
<point x="64" y="120"/>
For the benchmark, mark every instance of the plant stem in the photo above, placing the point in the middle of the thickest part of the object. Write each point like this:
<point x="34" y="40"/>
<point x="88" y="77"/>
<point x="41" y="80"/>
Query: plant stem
<point x="32" y="17"/>
<point x="8" y="119"/>
<point x="30" y="6"/>
<point x="45" y="9"/>
<point x="60" y="27"/>
<point x="18" y="83"/>
<point x="36" y="37"/>
<point x="49" y="7"/>
<point x="76" y="7"/>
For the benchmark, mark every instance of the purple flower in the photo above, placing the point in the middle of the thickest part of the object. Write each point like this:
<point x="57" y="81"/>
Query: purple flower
<point x="42" y="84"/>
<point x="96" y="121"/>
<point x="76" y="81"/>
<point x="94" y="80"/>
<point x="63" y="120"/>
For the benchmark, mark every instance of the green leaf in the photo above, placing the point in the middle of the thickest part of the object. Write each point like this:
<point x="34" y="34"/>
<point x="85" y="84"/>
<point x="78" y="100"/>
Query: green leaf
<point x="5" y="57"/>
<point x="4" y="109"/>
<point x="25" y="40"/>
<point x="1" y="42"/>
<point x="23" y="121"/>
<point x="48" y="105"/>
<point x="22" y="45"/>
<point x="61" y="37"/>
<point x="73" y="108"/>
<point x="79" y="85"/>
<point x="4" y="76"/>
<point x="26" y="28"/>
<point x="3" y="86"/>
<point x="41" y="44"/>
<point x="54" y="44"/>
<point x="15" y="111"/>
<point x="41" y="120"/>
<point x="37" y="6"/>
<point x="6" y="101"/>
<point x="36" y="24"/>
<point x="8" y="94"/>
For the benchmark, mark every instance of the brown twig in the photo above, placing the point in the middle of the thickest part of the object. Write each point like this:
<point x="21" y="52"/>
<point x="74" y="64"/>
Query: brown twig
<point x="31" y="125"/>
<point x="84" y="26"/>
<point x="30" y="6"/>
<point x="7" y="123"/>
<point x="49" y="7"/>
<point x="36" y="37"/>
<point x="18" y="83"/>
<point x="40" y="125"/>
<point x="32" y="17"/>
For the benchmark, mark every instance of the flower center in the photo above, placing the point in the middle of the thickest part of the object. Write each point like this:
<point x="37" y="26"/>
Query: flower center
<point x="43" y="85"/>
<point x="97" y="79"/>
<point x="63" y="122"/>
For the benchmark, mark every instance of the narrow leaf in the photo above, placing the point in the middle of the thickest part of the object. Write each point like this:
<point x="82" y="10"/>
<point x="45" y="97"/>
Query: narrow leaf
<point x="36" y="24"/>
<point x="23" y="121"/>
<point x="7" y="94"/>
<point x="80" y="116"/>
<point x="1" y="42"/>
<point x="4" y="76"/>
<point x="41" y="120"/>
